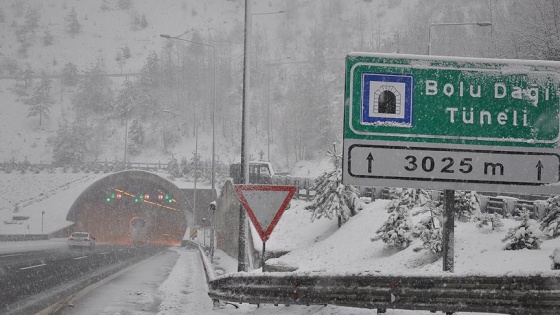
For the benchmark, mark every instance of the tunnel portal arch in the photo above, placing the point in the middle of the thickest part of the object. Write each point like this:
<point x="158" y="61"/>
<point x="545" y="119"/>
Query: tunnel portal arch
<point x="107" y="207"/>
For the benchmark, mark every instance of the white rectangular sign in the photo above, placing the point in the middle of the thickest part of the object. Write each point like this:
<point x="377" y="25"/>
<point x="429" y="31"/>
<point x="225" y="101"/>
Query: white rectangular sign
<point x="440" y="166"/>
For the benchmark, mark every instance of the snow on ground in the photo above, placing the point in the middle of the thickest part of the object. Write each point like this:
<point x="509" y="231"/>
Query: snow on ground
<point x="350" y="250"/>
<point x="174" y="283"/>
<point x="28" y="194"/>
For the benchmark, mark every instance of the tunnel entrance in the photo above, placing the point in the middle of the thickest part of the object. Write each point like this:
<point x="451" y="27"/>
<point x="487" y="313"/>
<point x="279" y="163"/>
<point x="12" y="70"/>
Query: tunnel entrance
<point x="132" y="207"/>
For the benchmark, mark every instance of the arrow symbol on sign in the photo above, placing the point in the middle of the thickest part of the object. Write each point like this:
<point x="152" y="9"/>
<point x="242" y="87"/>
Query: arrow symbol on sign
<point x="370" y="162"/>
<point x="539" y="169"/>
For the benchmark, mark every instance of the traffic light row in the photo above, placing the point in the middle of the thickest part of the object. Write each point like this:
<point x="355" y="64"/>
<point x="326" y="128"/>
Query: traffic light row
<point x="119" y="195"/>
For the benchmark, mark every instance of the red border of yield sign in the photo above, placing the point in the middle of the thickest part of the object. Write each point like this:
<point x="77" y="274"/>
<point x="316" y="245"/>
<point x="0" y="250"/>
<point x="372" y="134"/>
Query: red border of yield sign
<point x="262" y="233"/>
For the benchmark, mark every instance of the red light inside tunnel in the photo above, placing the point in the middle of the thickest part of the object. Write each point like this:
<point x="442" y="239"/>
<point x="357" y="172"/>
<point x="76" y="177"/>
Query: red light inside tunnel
<point x="147" y="197"/>
<point x="119" y="196"/>
<point x="160" y="197"/>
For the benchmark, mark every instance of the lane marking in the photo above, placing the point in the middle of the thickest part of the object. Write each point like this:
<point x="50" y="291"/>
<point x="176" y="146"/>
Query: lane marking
<point x="82" y="257"/>
<point x="30" y="267"/>
<point x="12" y="255"/>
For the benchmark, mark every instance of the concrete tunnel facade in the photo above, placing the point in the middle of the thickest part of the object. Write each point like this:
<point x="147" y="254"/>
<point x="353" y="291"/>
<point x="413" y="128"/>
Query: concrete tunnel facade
<point x="107" y="207"/>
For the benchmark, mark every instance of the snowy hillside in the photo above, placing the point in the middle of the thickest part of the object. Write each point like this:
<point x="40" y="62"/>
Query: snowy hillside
<point x="121" y="34"/>
<point x="107" y="27"/>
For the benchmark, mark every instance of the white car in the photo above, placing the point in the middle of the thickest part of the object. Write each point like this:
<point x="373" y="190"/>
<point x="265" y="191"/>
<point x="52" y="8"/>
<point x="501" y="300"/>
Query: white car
<point x="82" y="240"/>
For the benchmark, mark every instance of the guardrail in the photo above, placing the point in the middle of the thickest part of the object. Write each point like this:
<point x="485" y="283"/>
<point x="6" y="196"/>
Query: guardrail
<point x="302" y="183"/>
<point x="510" y="295"/>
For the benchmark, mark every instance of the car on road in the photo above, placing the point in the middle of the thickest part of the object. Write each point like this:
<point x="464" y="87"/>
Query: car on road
<point x="81" y="240"/>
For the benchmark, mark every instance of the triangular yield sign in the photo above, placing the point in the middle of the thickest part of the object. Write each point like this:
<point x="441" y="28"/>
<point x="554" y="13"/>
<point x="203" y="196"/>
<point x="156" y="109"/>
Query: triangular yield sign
<point x="264" y="204"/>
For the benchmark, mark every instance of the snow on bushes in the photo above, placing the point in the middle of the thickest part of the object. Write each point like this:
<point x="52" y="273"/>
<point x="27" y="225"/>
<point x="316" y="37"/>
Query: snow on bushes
<point x="430" y="230"/>
<point x="334" y="199"/>
<point x="549" y="224"/>
<point x="397" y="230"/>
<point x="466" y="205"/>
<point x="489" y="219"/>
<point x="407" y="197"/>
<point x="526" y="235"/>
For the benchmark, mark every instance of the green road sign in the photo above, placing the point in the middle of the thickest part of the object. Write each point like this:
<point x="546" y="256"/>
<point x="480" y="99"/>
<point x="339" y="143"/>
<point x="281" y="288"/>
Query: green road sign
<point x="452" y="100"/>
<point x="452" y="123"/>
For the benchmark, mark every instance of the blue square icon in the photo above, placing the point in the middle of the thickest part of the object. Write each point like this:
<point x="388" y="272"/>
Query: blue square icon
<point x="386" y="100"/>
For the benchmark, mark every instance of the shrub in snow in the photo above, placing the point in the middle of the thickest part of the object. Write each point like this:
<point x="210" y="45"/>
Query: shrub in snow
<point x="397" y="230"/>
<point x="489" y="219"/>
<point x="173" y="168"/>
<point x="431" y="234"/>
<point x="408" y="198"/>
<point x="549" y="224"/>
<point x="555" y="259"/>
<point x="466" y="205"/>
<point x="526" y="235"/>
<point x="334" y="199"/>
<point x="430" y="230"/>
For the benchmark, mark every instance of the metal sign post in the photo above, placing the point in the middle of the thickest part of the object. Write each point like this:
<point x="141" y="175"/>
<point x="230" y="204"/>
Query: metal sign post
<point x="451" y="123"/>
<point x="264" y="204"/>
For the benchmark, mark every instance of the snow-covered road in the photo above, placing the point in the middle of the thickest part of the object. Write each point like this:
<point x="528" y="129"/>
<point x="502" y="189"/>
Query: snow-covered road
<point x="174" y="283"/>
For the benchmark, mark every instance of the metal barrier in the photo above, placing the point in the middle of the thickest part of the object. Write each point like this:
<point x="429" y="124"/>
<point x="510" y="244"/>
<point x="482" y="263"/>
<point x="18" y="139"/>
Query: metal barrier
<point x="510" y="295"/>
<point x="303" y="184"/>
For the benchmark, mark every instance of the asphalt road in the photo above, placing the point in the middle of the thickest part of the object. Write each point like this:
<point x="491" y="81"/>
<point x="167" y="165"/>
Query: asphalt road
<point x="24" y="276"/>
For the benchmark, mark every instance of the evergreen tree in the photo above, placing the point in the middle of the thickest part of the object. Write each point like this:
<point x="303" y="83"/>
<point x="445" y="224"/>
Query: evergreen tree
<point x="134" y="97"/>
<point x="430" y="230"/>
<point x="466" y="204"/>
<point x="32" y="17"/>
<point x="124" y="4"/>
<point x="125" y="101"/>
<point x="150" y="72"/>
<point x="41" y="100"/>
<point x="72" y="25"/>
<point x="550" y="222"/>
<point x="334" y="199"/>
<point x="143" y="21"/>
<point x="397" y="230"/>
<point x="526" y="235"/>
<point x="71" y="143"/>
<point x="184" y="166"/>
<point x="126" y="52"/>
<point x="408" y="197"/>
<point x="105" y="6"/>
<point x="136" y="136"/>
<point x="94" y="93"/>
<point x="70" y="74"/>
<point x="27" y="76"/>
<point x="48" y="38"/>
<point x="492" y="219"/>
<point x="173" y="168"/>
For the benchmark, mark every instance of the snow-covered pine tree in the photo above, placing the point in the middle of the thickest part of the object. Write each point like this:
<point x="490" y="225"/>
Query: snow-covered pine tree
<point x="408" y="197"/>
<point x="430" y="229"/>
<point x="173" y="168"/>
<point x="526" y="235"/>
<point x="334" y="199"/>
<point x="41" y="101"/>
<point x="466" y="204"/>
<point x="72" y="25"/>
<point x="397" y="230"/>
<point x="71" y="143"/>
<point x="550" y="223"/>
<point x="136" y="136"/>
<point x="70" y="74"/>
<point x="492" y="219"/>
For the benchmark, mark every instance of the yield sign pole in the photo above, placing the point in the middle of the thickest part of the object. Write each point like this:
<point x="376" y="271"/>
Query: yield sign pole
<point x="264" y="204"/>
